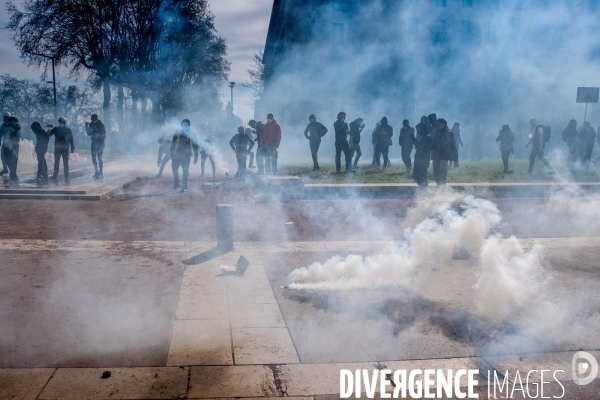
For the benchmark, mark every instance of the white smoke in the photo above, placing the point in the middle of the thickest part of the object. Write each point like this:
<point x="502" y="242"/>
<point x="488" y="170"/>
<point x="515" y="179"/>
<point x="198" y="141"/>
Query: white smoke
<point x="27" y="154"/>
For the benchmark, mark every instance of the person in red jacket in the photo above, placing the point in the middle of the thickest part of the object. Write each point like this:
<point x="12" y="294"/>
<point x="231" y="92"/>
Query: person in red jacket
<point x="270" y="138"/>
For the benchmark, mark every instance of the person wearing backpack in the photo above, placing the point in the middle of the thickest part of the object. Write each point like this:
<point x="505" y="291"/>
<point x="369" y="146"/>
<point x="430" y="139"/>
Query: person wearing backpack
<point x="538" y="136"/>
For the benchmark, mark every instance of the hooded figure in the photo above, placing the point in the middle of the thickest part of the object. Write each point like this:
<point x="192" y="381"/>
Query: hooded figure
<point x="164" y="148"/>
<point x="184" y="145"/>
<point x="241" y="145"/>
<point x="63" y="140"/>
<point x="406" y="144"/>
<point x="383" y="136"/>
<point x="42" y="138"/>
<point x="431" y="120"/>
<point x="314" y="132"/>
<point x="443" y="151"/>
<point x="356" y="128"/>
<point x="97" y="133"/>
<point x="376" y="161"/>
<point x="536" y="136"/>
<point x="569" y="135"/>
<point x="271" y="138"/>
<point x="341" y="143"/>
<point x="506" y="137"/>
<point x="423" y="143"/>
<point x="4" y="128"/>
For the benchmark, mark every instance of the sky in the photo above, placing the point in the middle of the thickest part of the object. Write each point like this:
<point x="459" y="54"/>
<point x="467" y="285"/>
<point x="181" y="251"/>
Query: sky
<point x="242" y="23"/>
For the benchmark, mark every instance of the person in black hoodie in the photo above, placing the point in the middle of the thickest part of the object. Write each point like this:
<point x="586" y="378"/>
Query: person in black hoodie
<point x="431" y="120"/>
<point x="10" y="147"/>
<point x="183" y="145"/>
<point x="356" y="128"/>
<point x="569" y="135"/>
<point x="314" y="132"/>
<point x="63" y="139"/>
<point x="241" y="145"/>
<point x="423" y="143"/>
<point x="506" y="137"/>
<point x="341" y="143"/>
<point x="384" y="135"/>
<point x="406" y="144"/>
<point x="42" y="138"/>
<point x="443" y="150"/>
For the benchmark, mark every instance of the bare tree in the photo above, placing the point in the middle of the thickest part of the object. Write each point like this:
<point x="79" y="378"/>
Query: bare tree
<point x="256" y="85"/>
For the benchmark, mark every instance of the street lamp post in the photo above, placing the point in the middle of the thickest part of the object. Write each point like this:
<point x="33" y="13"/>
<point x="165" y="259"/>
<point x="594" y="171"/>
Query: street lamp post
<point x="53" y="81"/>
<point x="231" y="85"/>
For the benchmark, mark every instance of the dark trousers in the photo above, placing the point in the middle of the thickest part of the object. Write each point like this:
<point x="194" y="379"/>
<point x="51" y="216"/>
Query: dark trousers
<point x="4" y="164"/>
<point x="163" y="163"/>
<point x="11" y="157"/>
<point x="505" y="154"/>
<point x="97" y="150"/>
<point x="58" y="153"/>
<point x="203" y="158"/>
<point x="184" y="163"/>
<point x="314" y="149"/>
<point x="420" y="173"/>
<point x="440" y="171"/>
<point x="586" y="155"/>
<point x="241" y="157"/>
<point x="406" y="151"/>
<point x="382" y="149"/>
<point x="342" y="146"/>
<point x="535" y="152"/>
<point x="260" y="159"/>
<point x="356" y="150"/>
<point x="270" y="155"/>
<point x="42" y="172"/>
<point x="251" y="155"/>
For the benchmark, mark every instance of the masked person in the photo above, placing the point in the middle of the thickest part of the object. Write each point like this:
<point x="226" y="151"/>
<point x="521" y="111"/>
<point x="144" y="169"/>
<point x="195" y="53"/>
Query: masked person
<point x="356" y="128"/>
<point x="314" y="132"/>
<point x="341" y="143"/>
<point x="569" y="136"/>
<point x="536" y="136"/>
<point x="260" y="157"/>
<point x="10" y="147"/>
<point x="424" y="144"/>
<point x="63" y="139"/>
<point x="42" y="139"/>
<point x="4" y="128"/>
<point x="431" y="120"/>
<point x="183" y="146"/>
<point x="241" y="145"/>
<point x="443" y="151"/>
<point x="587" y="138"/>
<point x="164" y="155"/>
<point x="271" y="138"/>
<point x="97" y="133"/>
<point x="506" y="137"/>
<point x="456" y="132"/>
<point x="406" y="144"/>
<point x="207" y="150"/>
<point x="384" y="135"/>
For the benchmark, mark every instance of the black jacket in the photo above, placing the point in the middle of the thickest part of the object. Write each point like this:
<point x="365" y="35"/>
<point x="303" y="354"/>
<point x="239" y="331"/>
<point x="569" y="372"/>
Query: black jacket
<point x="569" y="135"/>
<point x="240" y="142"/>
<point x="184" y="145"/>
<point x="341" y="131"/>
<point x="42" y="138"/>
<point x="384" y="135"/>
<point x="315" y="131"/>
<point x="355" y="130"/>
<point x="97" y="131"/>
<point x="424" y="144"/>
<point x="404" y="140"/>
<point x="259" y="129"/>
<point x="444" y="145"/>
<point x="63" y="138"/>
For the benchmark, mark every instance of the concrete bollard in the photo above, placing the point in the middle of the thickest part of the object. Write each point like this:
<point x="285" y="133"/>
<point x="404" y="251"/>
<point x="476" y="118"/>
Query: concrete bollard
<point x="225" y="227"/>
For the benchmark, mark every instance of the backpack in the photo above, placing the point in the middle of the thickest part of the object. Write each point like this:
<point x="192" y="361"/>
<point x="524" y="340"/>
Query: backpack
<point x="547" y="133"/>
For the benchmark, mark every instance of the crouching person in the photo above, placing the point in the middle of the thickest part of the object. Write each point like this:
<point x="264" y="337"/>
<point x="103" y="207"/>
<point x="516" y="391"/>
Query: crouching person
<point x="241" y="144"/>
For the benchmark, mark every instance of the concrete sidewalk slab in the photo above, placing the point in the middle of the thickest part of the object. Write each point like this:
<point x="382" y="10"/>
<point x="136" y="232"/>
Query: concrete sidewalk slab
<point x="239" y="381"/>
<point x="23" y="384"/>
<point x="200" y="342"/>
<point x="130" y="383"/>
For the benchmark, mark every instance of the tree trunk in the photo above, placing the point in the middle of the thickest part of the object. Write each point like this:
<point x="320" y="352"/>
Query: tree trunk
<point x="134" y="112"/>
<point x="106" y="105"/>
<point x="120" y="121"/>
<point x="144" y="102"/>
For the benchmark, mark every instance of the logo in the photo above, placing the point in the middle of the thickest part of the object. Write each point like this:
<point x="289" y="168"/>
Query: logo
<point x="580" y="367"/>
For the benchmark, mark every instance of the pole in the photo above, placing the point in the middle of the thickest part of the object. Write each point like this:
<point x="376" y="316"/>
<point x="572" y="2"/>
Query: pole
<point x="54" y="87"/>
<point x="232" y="98"/>
<point x="585" y="115"/>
